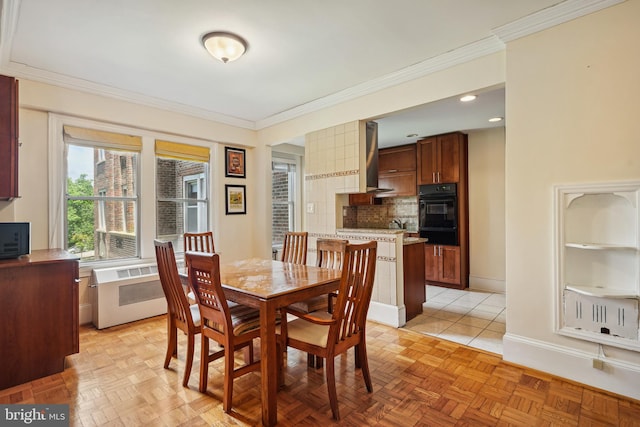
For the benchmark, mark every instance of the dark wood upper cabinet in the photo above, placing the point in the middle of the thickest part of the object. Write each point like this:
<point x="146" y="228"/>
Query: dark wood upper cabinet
<point x="8" y="138"/>
<point x="440" y="158"/>
<point x="397" y="171"/>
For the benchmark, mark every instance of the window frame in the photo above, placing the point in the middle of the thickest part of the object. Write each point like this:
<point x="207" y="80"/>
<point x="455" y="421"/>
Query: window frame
<point x="146" y="185"/>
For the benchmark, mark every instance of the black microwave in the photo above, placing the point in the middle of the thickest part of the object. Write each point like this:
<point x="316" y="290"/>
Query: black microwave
<point x="15" y="239"/>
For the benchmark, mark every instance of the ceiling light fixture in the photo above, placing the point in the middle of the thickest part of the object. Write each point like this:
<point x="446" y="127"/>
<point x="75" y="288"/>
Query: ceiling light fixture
<point x="468" y="98"/>
<point x="226" y="47"/>
<point x="495" y="119"/>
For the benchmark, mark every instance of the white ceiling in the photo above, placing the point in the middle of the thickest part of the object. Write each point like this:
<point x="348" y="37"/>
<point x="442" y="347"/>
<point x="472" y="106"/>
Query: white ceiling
<point x="303" y="54"/>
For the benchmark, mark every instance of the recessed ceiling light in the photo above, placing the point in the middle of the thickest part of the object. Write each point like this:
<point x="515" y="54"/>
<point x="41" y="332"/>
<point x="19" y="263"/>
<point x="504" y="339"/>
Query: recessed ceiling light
<point x="495" y="119"/>
<point x="468" y="98"/>
<point x="412" y="135"/>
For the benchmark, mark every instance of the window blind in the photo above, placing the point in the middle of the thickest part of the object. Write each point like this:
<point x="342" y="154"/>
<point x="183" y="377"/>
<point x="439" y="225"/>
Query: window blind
<point x="101" y="139"/>
<point x="175" y="150"/>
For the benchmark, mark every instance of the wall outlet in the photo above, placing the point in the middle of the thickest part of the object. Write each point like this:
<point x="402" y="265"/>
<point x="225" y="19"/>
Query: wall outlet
<point x="598" y="364"/>
<point x="311" y="208"/>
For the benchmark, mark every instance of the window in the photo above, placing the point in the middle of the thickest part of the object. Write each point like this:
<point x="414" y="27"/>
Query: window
<point x="181" y="190"/>
<point x="284" y="195"/>
<point x="101" y="219"/>
<point x="102" y="204"/>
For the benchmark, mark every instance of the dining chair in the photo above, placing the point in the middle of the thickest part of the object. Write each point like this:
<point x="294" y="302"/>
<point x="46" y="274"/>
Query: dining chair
<point x="180" y="314"/>
<point x="326" y="334"/>
<point x="233" y="326"/>
<point x="329" y="254"/>
<point x="199" y="242"/>
<point x="294" y="248"/>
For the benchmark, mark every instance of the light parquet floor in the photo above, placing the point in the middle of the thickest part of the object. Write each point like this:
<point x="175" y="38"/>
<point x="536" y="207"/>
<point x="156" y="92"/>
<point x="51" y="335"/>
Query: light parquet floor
<point x="117" y="379"/>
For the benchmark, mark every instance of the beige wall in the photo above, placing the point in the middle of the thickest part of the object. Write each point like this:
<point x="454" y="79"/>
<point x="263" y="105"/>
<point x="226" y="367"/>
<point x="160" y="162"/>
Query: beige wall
<point x="572" y="113"/>
<point x="486" y="210"/>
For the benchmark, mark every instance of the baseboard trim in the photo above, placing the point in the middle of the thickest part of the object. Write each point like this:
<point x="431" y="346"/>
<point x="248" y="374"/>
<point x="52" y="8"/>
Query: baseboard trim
<point x="387" y="314"/>
<point x="86" y="314"/>
<point x="488" y="285"/>
<point x="617" y="376"/>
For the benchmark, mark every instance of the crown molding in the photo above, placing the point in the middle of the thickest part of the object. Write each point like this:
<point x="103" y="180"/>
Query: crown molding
<point x="446" y="60"/>
<point x="550" y="17"/>
<point x="29" y="73"/>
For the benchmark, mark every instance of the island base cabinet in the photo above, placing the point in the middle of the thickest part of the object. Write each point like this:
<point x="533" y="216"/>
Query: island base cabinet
<point x="38" y="315"/>
<point x="414" y="286"/>
<point x="443" y="266"/>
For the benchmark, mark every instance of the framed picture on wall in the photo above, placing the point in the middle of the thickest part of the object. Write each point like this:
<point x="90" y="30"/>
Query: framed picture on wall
<point x="235" y="162"/>
<point x="235" y="200"/>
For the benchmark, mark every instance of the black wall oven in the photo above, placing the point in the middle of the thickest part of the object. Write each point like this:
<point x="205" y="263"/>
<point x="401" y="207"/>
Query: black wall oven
<point x="438" y="213"/>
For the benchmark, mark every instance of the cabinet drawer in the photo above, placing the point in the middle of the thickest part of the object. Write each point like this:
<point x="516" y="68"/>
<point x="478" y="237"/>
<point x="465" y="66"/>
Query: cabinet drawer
<point x="358" y="199"/>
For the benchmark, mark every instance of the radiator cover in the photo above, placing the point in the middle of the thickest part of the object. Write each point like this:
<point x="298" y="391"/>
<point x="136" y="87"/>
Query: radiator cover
<point x="126" y="294"/>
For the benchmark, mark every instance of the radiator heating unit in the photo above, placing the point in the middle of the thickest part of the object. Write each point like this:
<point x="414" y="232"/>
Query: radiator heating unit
<point x="610" y="316"/>
<point x="126" y="294"/>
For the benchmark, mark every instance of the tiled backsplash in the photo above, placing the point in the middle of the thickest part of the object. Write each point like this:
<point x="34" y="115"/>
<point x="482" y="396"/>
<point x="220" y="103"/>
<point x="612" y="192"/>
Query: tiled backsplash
<point x="404" y="209"/>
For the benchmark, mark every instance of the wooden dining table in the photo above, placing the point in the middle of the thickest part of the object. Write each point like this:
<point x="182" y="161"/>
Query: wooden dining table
<point x="269" y="285"/>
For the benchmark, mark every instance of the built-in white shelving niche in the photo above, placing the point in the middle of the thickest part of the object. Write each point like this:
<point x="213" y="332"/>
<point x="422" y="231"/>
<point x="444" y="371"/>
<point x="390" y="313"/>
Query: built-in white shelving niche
<point x="598" y="263"/>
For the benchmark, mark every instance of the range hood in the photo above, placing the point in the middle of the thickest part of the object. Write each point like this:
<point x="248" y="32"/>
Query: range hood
<point x="371" y="148"/>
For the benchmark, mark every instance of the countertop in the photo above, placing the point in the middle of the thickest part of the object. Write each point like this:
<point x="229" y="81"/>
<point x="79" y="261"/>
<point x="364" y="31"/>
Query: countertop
<point x="395" y="231"/>
<point x="376" y="230"/>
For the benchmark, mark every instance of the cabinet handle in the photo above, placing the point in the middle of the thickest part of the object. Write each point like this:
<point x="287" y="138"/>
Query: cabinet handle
<point x="439" y="250"/>
<point x="76" y="280"/>
<point x="438" y="176"/>
<point x="434" y="251"/>
<point x="433" y="179"/>
<point x="392" y="170"/>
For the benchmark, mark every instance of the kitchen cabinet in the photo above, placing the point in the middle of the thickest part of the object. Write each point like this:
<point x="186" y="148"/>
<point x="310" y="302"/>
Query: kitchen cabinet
<point x="444" y="266"/>
<point x="8" y="138"/>
<point x="360" y="199"/>
<point x="397" y="171"/>
<point x="442" y="159"/>
<point x="414" y="289"/>
<point x="598" y="263"/>
<point x="38" y="315"/>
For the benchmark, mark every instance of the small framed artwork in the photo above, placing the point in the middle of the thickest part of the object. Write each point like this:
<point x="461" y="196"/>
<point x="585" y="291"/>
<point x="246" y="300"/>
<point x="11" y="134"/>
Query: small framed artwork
<point x="235" y="162"/>
<point x="235" y="200"/>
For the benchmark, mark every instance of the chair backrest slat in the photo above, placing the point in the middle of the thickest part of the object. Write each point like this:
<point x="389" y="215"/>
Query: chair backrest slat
<point x="199" y="242"/>
<point x="177" y="303"/>
<point x="294" y="248"/>
<point x="204" y="279"/>
<point x="330" y="253"/>
<point x="356" y="287"/>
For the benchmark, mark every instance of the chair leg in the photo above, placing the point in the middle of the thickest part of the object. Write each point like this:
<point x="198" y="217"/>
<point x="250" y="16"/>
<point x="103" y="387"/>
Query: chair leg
<point x="364" y="363"/>
<point x="189" y="361"/>
<point x="204" y="364"/>
<point x="172" y="343"/>
<point x="356" y="356"/>
<point x="331" y="386"/>
<point x="314" y="361"/>
<point x="227" y="395"/>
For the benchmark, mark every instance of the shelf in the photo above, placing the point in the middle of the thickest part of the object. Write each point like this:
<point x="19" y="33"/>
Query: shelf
<point x="600" y="246"/>
<point x="602" y="292"/>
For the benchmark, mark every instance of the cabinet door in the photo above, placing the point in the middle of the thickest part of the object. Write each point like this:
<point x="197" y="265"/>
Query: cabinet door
<point x="8" y="138"/>
<point x="427" y="157"/>
<point x="400" y="183"/>
<point x="397" y="159"/>
<point x="431" y="263"/>
<point x="449" y="264"/>
<point x="449" y="158"/>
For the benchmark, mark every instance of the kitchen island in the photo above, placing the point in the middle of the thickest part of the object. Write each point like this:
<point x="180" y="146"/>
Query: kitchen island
<point x="398" y="290"/>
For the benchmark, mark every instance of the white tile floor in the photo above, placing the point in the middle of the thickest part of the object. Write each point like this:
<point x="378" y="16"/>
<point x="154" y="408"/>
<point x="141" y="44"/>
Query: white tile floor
<point x="472" y="318"/>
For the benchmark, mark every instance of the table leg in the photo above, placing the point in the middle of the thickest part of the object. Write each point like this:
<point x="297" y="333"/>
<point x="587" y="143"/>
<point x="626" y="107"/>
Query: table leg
<point x="269" y="363"/>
